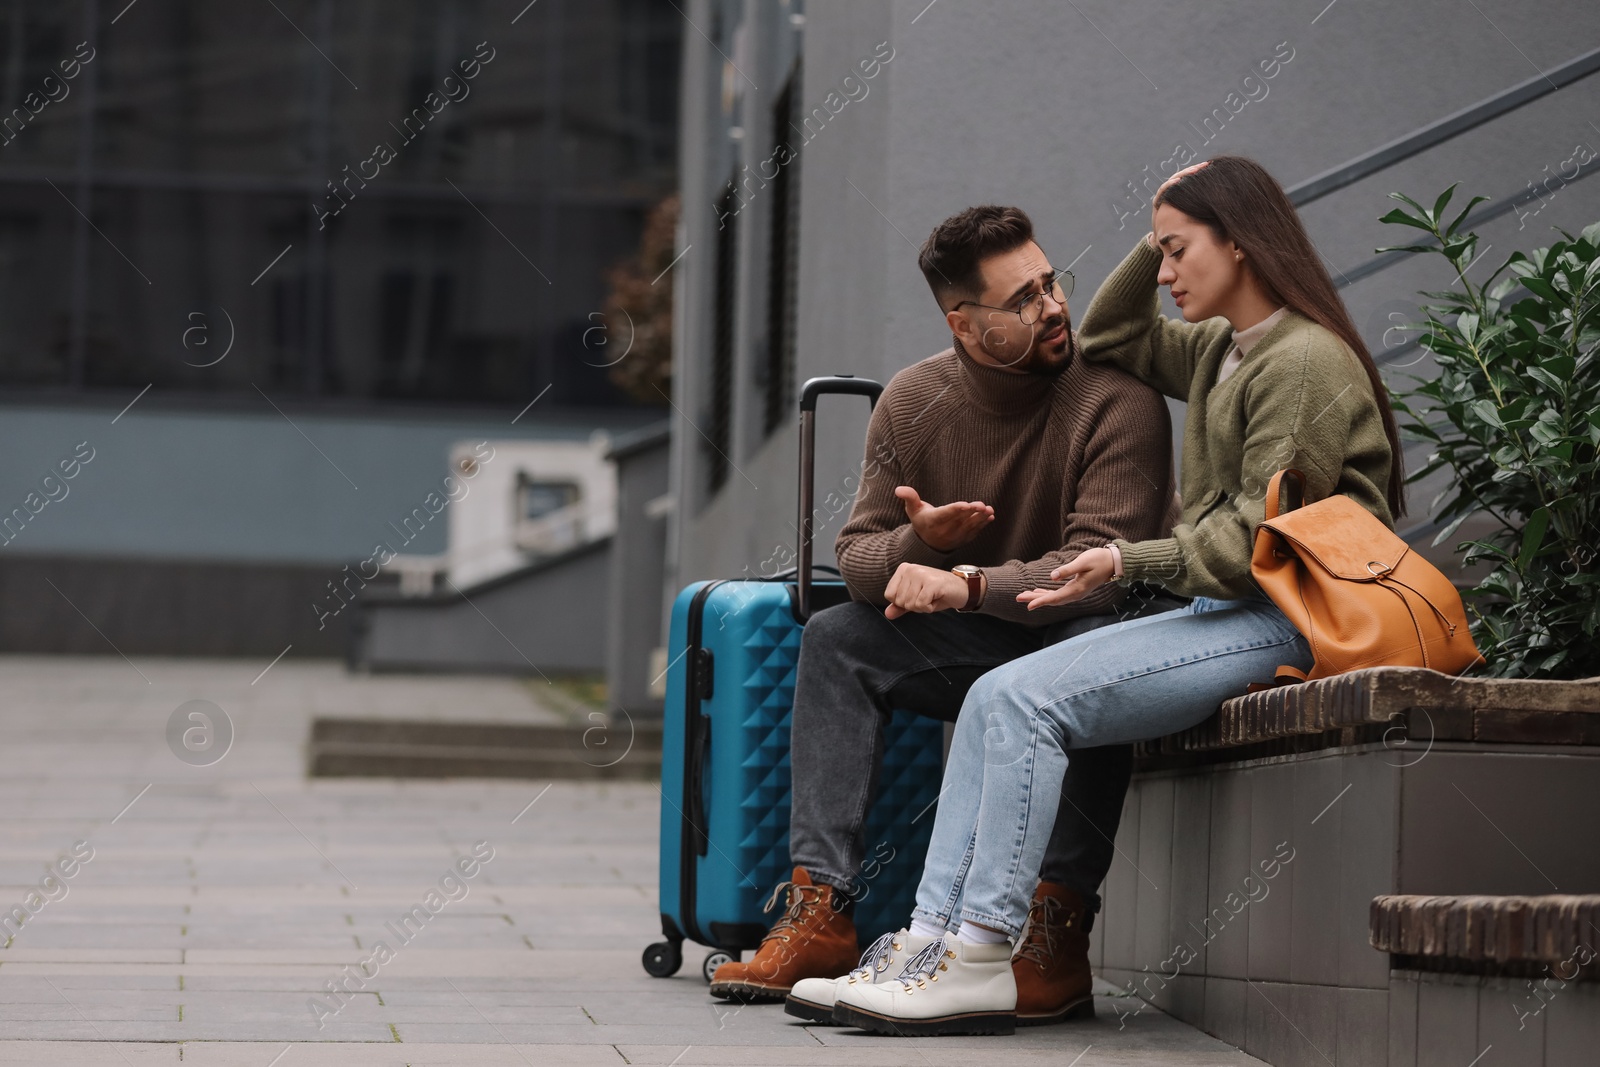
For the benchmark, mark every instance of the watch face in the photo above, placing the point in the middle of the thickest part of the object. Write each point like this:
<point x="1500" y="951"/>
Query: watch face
<point x="966" y="570"/>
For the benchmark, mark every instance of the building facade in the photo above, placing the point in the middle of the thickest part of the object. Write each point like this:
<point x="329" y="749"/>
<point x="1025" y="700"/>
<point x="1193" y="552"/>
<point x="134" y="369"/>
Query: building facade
<point x="822" y="143"/>
<point x="274" y="261"/>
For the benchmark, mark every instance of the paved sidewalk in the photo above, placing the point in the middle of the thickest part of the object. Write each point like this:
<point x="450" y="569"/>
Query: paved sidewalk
<point x="220" y="903"/>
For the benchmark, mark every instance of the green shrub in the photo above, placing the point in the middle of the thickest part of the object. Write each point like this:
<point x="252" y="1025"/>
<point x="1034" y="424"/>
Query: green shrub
<point x="1514" y="414"/>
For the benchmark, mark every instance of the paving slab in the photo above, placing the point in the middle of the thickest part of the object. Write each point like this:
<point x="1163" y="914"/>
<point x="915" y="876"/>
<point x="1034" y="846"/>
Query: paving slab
<point x="223" y="901"/>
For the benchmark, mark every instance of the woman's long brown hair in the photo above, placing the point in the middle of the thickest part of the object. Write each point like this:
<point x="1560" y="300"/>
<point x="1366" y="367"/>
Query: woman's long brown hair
<point x="1242" y="203"/>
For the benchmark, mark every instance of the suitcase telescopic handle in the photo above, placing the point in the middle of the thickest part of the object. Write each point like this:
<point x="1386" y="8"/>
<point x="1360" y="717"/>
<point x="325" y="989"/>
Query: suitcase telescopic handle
<point x="835" y="383"/>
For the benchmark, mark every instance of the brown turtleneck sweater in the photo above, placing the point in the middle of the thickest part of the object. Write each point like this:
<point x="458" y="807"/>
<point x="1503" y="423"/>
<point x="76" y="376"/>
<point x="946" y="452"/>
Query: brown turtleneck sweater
<point x="1068" y="461"/>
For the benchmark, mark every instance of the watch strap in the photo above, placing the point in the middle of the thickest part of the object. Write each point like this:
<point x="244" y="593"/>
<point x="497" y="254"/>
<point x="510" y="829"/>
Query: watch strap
<point x="974" y="579"/>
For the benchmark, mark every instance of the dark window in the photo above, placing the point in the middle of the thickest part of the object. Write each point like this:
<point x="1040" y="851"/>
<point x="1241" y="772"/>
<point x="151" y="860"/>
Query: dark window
<point x="538" y="499"/>
<point x="783" y="261"/>
<point x="720" y="432"/>
<point x="414" y="322"/>
<point x="229" y="176"/>
<point x="33" y="341"/>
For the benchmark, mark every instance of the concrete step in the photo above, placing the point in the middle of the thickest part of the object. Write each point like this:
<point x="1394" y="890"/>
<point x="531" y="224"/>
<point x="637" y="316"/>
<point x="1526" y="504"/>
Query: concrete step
<point x="410" y="748"/>
<point x="1509" y="979"/>
<point x="1515" y="935"/>
<point x="1252" y="847"/>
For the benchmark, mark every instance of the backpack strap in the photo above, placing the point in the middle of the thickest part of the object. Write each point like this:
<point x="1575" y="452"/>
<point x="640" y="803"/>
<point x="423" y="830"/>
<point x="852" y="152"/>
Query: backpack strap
<point x="1275" y="490"/>
<point x="1286" y="675"/>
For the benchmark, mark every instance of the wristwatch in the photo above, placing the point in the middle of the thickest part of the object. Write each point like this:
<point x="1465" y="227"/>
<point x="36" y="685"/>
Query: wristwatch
<point x="974" y="577"/>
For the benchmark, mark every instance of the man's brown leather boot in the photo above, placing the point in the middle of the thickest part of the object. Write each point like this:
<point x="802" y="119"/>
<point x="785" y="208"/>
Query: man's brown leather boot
<point x="812" y="939"/>
<point x="1051" y="965"/>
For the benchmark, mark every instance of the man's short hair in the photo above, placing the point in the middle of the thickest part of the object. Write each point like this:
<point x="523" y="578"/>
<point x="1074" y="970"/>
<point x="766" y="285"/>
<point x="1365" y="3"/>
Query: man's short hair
<point x="951" y="256"/>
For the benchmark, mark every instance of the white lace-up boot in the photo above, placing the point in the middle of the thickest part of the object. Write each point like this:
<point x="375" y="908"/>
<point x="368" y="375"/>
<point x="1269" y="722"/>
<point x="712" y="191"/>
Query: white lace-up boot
<point x="950" y="987"/>
<point x="813" y="999"/>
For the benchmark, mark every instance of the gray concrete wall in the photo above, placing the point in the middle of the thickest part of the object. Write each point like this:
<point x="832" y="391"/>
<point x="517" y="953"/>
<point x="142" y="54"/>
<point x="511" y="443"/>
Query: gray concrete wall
<point x="1204" y="917"/>
<point x="1543" y="1023"/>
<point x="239" y="483"/>
<point x="169" y="607"/>
<point x="638" y="562"/>
<point x="547" y="620"/>
<point x="1055" y="107"/>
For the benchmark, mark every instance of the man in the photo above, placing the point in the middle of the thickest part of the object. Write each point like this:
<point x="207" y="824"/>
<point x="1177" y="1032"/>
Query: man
<point x="998" y="460"/>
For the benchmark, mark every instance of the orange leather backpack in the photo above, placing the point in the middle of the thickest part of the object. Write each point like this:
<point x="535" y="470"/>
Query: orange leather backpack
<point x="1355" y="590"/>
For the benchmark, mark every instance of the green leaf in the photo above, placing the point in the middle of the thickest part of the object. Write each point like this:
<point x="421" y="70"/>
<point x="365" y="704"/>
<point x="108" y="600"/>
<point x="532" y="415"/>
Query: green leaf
<point x="1485" y="410"/>
<point x="1400" y="218"/>
<point x="1540" y="287"/>
<point x="1404" y="199"/>
<point x="1488" y="548"/>
<point x="1444" y="199"/>
<point x="1474" y="202"/>
<point x="1544" y="433"/>
<point x="1550" y="662"/>
<point x="1455" y="524"/>
<point x="1533" y="536"/>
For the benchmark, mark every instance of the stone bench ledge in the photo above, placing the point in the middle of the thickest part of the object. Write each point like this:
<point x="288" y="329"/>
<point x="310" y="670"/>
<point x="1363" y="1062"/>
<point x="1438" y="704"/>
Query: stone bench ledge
<point x="1559" y="932"/>
<point x="1366" y="706"/>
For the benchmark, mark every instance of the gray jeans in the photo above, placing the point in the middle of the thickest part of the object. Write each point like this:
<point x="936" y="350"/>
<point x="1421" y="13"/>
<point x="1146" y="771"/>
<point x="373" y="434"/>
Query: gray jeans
<point x="856" y="667"/>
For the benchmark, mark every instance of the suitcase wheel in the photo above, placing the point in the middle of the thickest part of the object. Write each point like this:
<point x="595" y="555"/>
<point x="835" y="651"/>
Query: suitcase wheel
<point x="714" y="959"/>
<point x="662" y="959"/>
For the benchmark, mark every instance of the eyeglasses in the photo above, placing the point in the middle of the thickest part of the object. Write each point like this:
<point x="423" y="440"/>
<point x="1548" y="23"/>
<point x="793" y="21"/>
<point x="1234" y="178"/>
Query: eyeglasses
<point x="1031" y="308"/>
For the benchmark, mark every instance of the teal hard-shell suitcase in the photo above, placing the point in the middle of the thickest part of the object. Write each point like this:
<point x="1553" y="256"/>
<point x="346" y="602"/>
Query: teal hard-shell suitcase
<point x="733" y="649"/>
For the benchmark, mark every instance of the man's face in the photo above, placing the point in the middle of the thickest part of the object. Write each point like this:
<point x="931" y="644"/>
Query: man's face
<point x="1000" y="338"/>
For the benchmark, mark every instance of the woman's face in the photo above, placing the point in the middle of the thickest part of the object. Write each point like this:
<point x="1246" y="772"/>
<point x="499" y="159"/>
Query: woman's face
<point x="1203" y="273"/>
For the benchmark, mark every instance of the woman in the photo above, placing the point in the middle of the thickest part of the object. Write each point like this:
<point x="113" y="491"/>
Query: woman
<point x="1275" y="376"/>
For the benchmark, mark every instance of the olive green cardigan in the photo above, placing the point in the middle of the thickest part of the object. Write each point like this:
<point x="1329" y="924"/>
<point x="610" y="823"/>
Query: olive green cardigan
<point x="1299" y="399"/>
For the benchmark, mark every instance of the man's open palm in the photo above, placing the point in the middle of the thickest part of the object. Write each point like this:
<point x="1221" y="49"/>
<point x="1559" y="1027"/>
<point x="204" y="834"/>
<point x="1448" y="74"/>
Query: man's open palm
<point x="949" y="526"/>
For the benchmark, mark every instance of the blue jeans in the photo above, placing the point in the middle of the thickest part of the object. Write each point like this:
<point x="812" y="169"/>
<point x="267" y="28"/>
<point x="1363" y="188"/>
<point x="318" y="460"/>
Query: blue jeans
<point x="1127" y="682"/>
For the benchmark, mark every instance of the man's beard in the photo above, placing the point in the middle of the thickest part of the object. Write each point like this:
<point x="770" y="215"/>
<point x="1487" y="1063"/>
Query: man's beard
<point x="1036" y="360"/>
